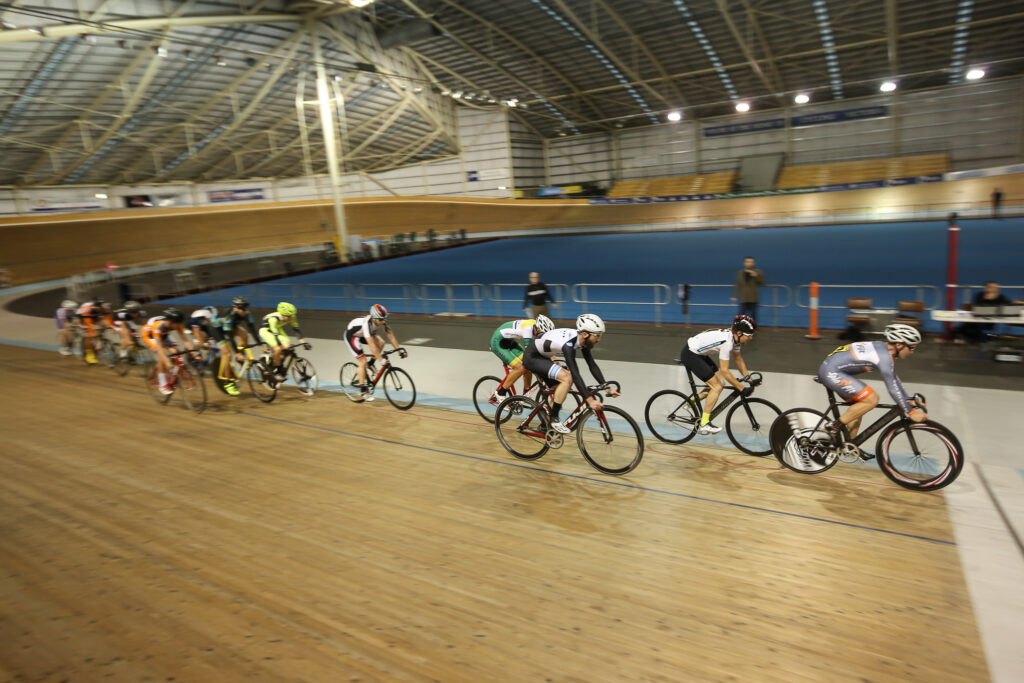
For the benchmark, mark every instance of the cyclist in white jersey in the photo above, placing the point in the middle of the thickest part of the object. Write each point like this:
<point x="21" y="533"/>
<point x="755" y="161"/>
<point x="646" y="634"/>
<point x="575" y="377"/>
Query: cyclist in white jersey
<point x="566" y="342"/>
<point x="508" y="343"/>
<point x="723" y="344"/>
<point x="837" y="370"/>
<point x="363" y="334"/>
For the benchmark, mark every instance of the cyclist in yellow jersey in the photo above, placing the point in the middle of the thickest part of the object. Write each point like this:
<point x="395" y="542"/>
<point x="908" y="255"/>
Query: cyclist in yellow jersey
<point x="273" y="335"/>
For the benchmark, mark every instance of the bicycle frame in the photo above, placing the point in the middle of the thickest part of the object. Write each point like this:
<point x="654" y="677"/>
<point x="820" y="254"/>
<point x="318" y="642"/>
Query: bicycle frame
<point x="894" y="411"/>
<point x="722" y="403"/>
<point x="385" y="366"/>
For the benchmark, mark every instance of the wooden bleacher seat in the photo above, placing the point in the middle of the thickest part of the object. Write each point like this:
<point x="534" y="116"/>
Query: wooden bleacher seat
<point x="905" y="309"/>
<point x="857" y="306"/>
<point x="705" y="183"/>
<point x="864" y="170"/>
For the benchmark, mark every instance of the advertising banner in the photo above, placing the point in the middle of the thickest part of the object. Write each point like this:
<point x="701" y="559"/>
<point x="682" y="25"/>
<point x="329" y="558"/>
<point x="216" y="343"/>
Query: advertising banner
<point x="234" y="195"/>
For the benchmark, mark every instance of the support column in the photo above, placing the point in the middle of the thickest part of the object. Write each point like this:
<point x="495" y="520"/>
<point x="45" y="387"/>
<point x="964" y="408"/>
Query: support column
<point x="327" y="126"/>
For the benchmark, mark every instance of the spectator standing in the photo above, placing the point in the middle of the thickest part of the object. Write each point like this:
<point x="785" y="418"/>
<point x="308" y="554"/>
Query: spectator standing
<point x="536" y="298"/>
<point x="745" y="290"/>
<point x="997" y="202"/>
<point x="975" y="333"/>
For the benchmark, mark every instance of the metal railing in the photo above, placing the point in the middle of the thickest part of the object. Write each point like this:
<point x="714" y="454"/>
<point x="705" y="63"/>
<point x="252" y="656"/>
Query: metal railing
<point x="559" y="292"/>
<point x="478" y="295"/>
<point x="660" y="296"/>
<point x="775" y="292"/>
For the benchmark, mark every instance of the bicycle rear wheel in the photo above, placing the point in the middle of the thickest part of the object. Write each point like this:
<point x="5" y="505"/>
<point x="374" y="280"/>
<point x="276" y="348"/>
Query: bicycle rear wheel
<point x="800" y="442"/>
<point x="482" y="390"/>
<point x="153" y="386"/>
<point x="923" y="456"/>
<point x="349" y="378"/>
<point x="522" y="427"/>
<point x="399" y="389"/>
<point x="672" y="416"/>
<point x="304" y="375"/>
<point x="260" y="380"/>
<point x="610" y="440"/>
<point x="191" y="387"/>
<point x="748" y="423"/>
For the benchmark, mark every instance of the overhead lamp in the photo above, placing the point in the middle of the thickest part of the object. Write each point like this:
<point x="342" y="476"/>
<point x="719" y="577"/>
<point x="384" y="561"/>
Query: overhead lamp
<point x="742" y="107"/>
<point x="674" y="116"/>
<point x="446" y="92"/>
<point x="100" y="195"/>
<point x="188" y="55"/>
<point x="220" y="60"/>
<point x="975" y="74"/>
<point x="361" y="3"/>
<point x="457" y="94"/>
<point x="512" y="101"/>
<point x="417" y="89"/>
<point x="888" y="86"/>
<point x="6" y="25"/>
<point x="160" y="51"/>
<point x="802" y="98"/>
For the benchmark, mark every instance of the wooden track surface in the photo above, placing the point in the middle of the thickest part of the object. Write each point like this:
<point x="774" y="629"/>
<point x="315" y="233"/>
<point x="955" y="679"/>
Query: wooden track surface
<point x="316" y="539"/>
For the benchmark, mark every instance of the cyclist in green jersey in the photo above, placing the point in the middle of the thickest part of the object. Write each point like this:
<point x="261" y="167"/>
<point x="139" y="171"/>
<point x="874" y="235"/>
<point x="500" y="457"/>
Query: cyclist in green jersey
<point x="273" y="335"/>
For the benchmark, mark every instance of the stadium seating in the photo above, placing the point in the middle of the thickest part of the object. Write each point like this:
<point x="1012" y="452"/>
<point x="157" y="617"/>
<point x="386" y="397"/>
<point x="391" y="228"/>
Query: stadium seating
<point x="864" y="170"/>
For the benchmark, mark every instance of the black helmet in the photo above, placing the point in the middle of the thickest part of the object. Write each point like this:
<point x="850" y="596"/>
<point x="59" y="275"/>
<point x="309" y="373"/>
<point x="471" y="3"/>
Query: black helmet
<point x="240" y="302"/>
<point x="174" y="315"/>
<point x="743" y="324"/>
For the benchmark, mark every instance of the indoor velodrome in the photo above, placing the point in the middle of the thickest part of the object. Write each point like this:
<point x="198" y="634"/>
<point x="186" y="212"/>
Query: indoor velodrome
<point x="178" y="179"/>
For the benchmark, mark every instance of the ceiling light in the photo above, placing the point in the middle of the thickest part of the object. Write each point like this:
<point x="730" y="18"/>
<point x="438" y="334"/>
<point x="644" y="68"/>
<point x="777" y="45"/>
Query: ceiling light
<point x="888" y="86"/>
<point x="742" y="107"/>
<point x="361" y="3"/>
<point x="674" y="116"/>
<point x="160" y="51"/>
<point x="802" y="98"/>
<point x="457" y="94"/>
<point x="975" y="74"/>
<point x="100" y="195"/>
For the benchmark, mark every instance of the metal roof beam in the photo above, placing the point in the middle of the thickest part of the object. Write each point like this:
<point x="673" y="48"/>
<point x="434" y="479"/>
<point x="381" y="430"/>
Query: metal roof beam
<point x="148" y="24"/>
<point x="892" y="36"/>
<point x="755" y="66"/>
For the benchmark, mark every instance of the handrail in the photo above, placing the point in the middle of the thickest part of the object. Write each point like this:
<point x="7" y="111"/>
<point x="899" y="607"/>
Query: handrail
<point x="774" y="305"/>
<point x="936" y="297"/>
<point x="560" y="292"/>
<point x="478" y="290"/>
<point x="579" y="295"/>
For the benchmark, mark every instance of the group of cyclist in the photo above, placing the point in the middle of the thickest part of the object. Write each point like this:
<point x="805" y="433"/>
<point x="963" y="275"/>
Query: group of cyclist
<point x="526" y="347"/>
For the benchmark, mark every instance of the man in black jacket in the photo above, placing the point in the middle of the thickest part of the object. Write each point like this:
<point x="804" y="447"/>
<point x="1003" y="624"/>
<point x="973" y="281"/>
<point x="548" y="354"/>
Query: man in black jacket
<point x="537" y="296"/>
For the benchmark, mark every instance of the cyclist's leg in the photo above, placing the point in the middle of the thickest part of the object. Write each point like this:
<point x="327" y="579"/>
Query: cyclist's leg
<point x="861" y="397"/>
<point x="272" y="341"/>
<point x="126" y="339"/>
<point x="703" y="368"/>
<point x="89" y="344"/>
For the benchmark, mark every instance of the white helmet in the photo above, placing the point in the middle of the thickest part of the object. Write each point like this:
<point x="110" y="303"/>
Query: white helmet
<point x="588" y="322"/>
<point x="544" y="324"/>
<point x="69" y="304"/>
<point x="898" y="333"/>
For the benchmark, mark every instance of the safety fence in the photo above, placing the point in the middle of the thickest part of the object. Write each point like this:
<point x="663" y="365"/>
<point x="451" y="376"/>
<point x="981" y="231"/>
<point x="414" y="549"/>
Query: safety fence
<point x="658" y="303"/>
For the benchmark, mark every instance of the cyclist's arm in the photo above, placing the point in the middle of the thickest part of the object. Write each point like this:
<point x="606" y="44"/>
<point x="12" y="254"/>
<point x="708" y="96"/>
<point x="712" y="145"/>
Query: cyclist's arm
<point x="895" y="386"/>
<point x="569" y="355"/>
<point x="392" y="338"/>
<point x="740" y="365"/>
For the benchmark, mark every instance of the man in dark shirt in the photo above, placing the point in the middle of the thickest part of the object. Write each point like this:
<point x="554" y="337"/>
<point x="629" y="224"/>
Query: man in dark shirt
<point x="537" y="296"/>
<point x="975" y="333"/>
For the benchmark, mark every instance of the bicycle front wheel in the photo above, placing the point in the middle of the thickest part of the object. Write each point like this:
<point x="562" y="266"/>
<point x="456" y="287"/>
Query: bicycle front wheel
<point x="522" y="427"/>
<point x="923" y="456"/>
<point x="192" y="388"/>
<point x="800" y="442"/>
<point x="610" y="440"/>
<point x="304" y="375"/>
<point x="260" y="380"/>
<point x="399" y="389"/>
<point x="482" y="390"/>
<point x="672" y="416"/>
<point x="747" y="425"/>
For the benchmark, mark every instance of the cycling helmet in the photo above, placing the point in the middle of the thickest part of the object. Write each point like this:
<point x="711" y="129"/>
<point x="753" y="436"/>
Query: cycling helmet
<point x="897" y="333"/>
<point x="99" y="301"/>
<point x="132" y="306"/>
<point x="212" y="310"/>
<point x="285" y="308"/>
<point x="379" y="312"/>
<point x="174" y="315"/>
<point x="544" y="324"/>
<point x="588" y="322"/>
<point x="68" y="304"/>
<point x="743" y="324"/>
<point x="240" y="302"/>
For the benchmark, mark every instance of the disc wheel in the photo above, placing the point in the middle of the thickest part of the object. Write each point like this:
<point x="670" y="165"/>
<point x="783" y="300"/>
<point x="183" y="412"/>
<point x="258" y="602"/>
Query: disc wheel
<point x="610" y="440"/>
<point x="304" y="375"/>
<point x="522" y="427"/>
<point x="748" y="423"/>
<point x="399" y="388"/>
<point x="923" y="456"/>
<point x="672" y="416"/>
<point x="482" y="390"/>
<point x="800" y="442"/>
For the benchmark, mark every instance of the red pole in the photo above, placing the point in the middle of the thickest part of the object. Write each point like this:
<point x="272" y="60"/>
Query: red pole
<point x="954" y="240"/>
<point x="813" y="331"/>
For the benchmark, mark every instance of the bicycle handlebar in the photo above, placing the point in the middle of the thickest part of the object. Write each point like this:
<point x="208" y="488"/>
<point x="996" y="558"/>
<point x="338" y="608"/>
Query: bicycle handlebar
<point x="754" y="379"/>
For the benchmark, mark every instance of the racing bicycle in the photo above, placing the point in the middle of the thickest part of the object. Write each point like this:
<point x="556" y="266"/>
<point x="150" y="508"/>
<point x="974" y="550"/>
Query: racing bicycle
<point x="398" y="385"/>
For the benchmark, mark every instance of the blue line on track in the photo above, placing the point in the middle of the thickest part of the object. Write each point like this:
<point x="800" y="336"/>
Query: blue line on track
<point x="561" y="474"/>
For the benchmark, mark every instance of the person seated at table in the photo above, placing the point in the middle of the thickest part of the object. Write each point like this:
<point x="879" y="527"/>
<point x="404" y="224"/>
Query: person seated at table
<point x="975" y="333"/>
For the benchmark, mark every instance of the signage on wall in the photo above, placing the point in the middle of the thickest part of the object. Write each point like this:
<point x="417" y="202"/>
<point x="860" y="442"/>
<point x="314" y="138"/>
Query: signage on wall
<point x="472" y="176"/>
<point x="234" y="195"/>
<point x="798" y="121"/>
<point x="486" y="174"/>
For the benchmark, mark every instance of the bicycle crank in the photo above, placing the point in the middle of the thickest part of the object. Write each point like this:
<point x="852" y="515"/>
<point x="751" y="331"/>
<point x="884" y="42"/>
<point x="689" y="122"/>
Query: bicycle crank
<point x="555" y="439"/>
<point x="850" y="452"/>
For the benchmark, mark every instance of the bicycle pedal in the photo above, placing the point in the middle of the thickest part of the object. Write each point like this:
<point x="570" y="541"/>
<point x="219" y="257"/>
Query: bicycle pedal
<point x="554" y="439"/>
